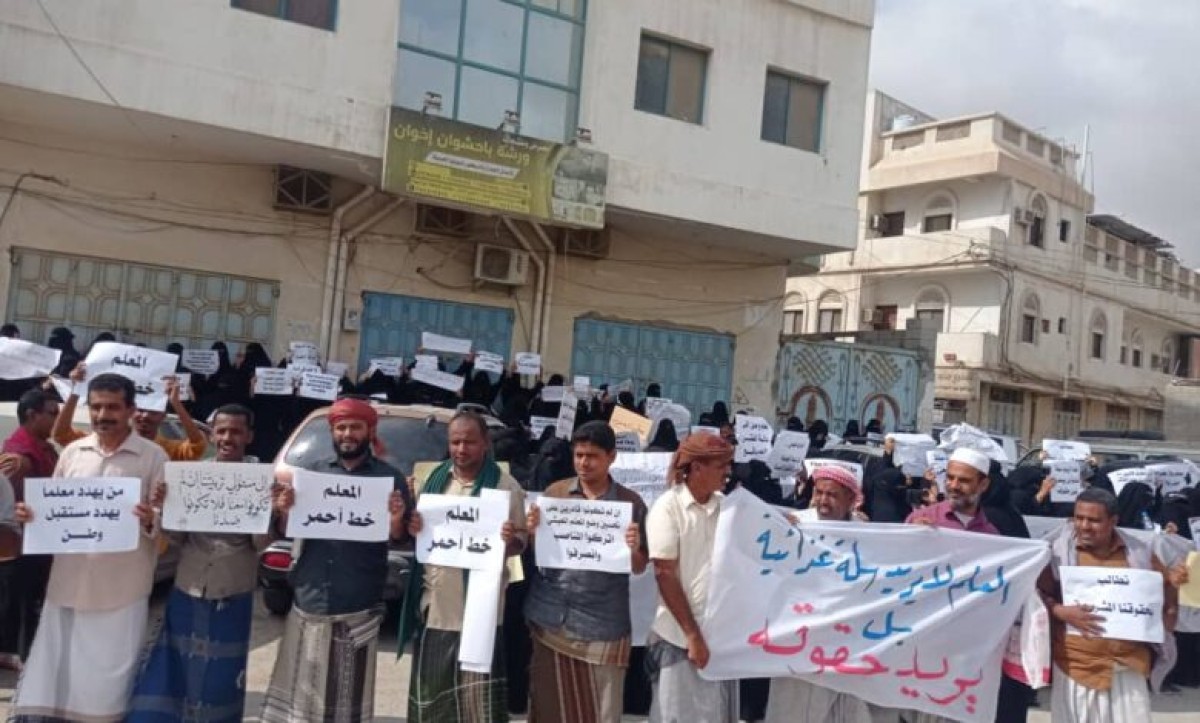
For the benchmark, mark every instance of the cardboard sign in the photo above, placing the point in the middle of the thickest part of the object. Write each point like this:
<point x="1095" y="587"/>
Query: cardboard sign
<point x="623" y="420"/>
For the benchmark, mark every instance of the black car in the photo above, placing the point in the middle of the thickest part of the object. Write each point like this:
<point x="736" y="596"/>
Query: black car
<point x="410" y="434"/>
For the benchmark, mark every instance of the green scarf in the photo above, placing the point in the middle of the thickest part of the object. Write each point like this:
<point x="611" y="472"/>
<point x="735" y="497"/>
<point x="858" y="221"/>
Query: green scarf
<point x="410" y="612"/>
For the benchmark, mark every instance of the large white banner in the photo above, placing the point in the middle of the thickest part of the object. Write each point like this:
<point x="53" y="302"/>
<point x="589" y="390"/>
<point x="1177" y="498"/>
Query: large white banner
<point x="340" y="507"/>
<point x="642" y="472"/>
<point x="579" y="534"/>
<point x="218" y="497"/>
<point x="81" y="515"/>
<point x="146" y="368"/>
<point x="878" y="611"/>
<point x="24" y="360"/>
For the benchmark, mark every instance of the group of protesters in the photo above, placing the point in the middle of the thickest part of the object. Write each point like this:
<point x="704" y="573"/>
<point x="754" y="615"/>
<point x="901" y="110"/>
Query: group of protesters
<point x="564" y="647"/>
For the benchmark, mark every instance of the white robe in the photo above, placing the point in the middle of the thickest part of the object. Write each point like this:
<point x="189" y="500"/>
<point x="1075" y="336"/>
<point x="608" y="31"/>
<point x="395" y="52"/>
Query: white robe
<point x="1127" y="700"/>
<point x="795" y="700"/>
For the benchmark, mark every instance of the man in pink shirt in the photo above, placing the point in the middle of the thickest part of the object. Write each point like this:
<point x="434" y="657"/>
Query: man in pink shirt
<point x="966" y="481"/>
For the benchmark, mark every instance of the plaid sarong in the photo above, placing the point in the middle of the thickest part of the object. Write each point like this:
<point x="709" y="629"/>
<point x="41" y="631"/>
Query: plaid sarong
<point x="196" y="672"/>
<point x="325" y="670"/>
<point x="440" y="692"/>
<point x="582" y="681"/>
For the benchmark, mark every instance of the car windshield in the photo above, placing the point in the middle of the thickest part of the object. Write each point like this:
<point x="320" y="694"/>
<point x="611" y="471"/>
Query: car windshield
<point x="406" y="441"/>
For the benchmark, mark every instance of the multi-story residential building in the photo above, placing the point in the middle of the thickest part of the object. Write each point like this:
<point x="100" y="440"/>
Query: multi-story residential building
<point x="193" y="170"/>
<point x="1050" y="318"/>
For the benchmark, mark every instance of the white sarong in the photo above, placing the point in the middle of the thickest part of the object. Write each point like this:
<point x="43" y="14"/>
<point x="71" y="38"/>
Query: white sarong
<point x="82" y="664"/>
<point x="793" y="700"/>
<point x="1127" y="700"/>
<point x="682" y="696"/>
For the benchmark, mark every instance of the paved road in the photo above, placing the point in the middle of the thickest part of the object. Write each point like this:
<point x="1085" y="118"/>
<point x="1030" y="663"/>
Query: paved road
<point x="391" y="682"/>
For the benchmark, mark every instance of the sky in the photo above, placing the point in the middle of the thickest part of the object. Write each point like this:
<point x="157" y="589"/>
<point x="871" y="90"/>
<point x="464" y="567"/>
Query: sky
<point x="1126" y="68"/>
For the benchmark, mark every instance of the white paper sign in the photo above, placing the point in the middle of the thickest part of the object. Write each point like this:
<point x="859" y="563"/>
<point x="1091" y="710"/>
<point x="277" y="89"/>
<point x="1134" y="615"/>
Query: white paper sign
<point x="1068" y="479"/>
<point x="146" y="368"/>
<point x="1130" y="600"/>
<point x="565" y="424"/>
<point x="218" y="497"/>
<point x="964" y="435"/>
<point x="679" y="415"/>
<point x="297" y="370"/>
<point x="698" y="429"/>
<point x="269" y="380"/>
<point x="337" y="369"/>
<point x="82" y="515"/>
<point x="1194" y="526"/>
<point x="184" y="380"/>
<point x="1045" y="528"/>
<point x="1066" y="449"/>
<point x="21" y="359"/>
<point x="937" y="460"/>
<point x="754" y="438"/>
<point x="481" y="608"/>
<point x="1122" y="477"/>
<point x="462" y="532"/>
<point x="340" y="507"/>
<point x="528" y="363"/>
<point x="875" y="611"/>
<point x="812" y="465"/>
<point x="553" y="394"/>
<point x="581" y="385"/>
<point x="1171" y="477"/>
<point x="654" y="406"/>
<point x="788" y="453"/>
<point x="305" y="352"/>
<point x="538" y="425"/>
<point x="441" y="380"/>
<point x="576" y="534"/>
<point x="319" y="386"/>
<point x="642" y="472"/>
<point x="446" y="344"/>
<point x="629" y="442"/>
<point x="486" y="361"/>
<point x="910" y="453"/>
<point x="201" y="361"/>
<point x="392" y="366"/>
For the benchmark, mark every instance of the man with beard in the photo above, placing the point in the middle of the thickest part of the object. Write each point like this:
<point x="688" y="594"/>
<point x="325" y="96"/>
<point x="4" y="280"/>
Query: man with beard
<point x="197" y="669"/>
<point x="1099" y="679"/>
<point x="836" y="494"/>
<point x="325" y="670"/>
<point x="85" y="652"/>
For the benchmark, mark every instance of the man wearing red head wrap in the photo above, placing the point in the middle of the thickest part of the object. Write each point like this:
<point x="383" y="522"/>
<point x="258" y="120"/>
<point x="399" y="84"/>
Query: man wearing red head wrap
<point x="681" y="528"/>
<point x="338" y="584"/>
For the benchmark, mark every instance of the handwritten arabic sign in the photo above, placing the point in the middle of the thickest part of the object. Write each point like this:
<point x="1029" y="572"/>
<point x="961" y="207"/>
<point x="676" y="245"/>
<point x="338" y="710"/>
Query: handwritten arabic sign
<point x="876" y="611"/>
<point x="146" y="368"/>
<point x="623" y="420"/>
<point x="1194" y="526"/>
<point x="788" y="453"/>
<point x="678" y="415"/>
<point x="910" y="453"/>
<point x="340" y="507"/>
<point x="447" y="344"/>
<point x="305" y="352"/>
<point x="1122" y="477"/>
<point x="201" y="361"/>
<point x="854" y="468"/>
<point x="1171" y="477"/>
<point x="1130" y="600"/>
<point x="754" y="438"/>
<point x="486" y="361"/>
<point x="552" y="394"/>
<point x="445" y="160"/>
<point x="937" y="460"/>
<point x="1068" y="478"/>
<point x="642" y="472"/>
<point x="583" y="535"/>
<point x="1066" y="449"/>
<point x="439" y="379"/>
<point x="426" y="361"/>
<point x="22" y="359"/>
<point x="528" y="363"/>
<point x="82" y="515"/>
<point x="268" y="380"/>
<point x="218" y="497"/>
<point x="391" y="366"/>
<point x="538" y="425"/>
<point x="461" y="532"/>
<point x="314" y="385"/>
<point x="565" y="424"/>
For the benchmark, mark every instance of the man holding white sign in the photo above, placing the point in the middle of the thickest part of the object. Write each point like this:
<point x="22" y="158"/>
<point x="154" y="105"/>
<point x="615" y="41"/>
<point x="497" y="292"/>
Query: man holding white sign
<point x="578" y="605"/>
<point x="85" y="653"/>
<point x="1098" y="679"/>
<point x="334" y="621"/>
<point x="198" y="664"/>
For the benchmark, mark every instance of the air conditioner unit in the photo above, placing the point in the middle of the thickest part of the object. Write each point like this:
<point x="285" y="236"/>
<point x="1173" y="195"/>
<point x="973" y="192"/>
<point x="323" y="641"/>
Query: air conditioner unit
<point x="500" y="265"/>
<point x="871" y="316"/>
<point x="879" y="223"/>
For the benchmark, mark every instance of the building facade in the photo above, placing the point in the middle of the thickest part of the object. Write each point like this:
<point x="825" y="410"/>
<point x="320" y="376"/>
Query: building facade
<point x="1050" y="318"/>
<point x="210" y="170"/>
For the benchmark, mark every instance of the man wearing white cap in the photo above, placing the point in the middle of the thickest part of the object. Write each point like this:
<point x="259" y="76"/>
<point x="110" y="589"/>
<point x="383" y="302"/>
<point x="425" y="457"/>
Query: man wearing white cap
<point x="836" y="494"/>
<point x="966" y="481"/>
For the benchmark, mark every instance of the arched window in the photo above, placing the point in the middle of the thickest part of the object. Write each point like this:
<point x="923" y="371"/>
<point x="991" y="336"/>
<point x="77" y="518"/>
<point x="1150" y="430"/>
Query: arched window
<point x="939" y="214"/>
<point x="1099" y="328"/>
<point x="793" y="313"/>
<point x="1136" y="349"/>
<point x="930" y="309"/>
<point x="1031" y="312"/>
<point x="830" y="310"/>
<point x="1037" y="227"/>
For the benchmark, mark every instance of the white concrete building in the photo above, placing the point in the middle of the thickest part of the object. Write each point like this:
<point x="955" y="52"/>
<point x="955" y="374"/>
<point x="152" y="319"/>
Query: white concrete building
<point x="194" y="170"/>
<point x="1051" y="319"/>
